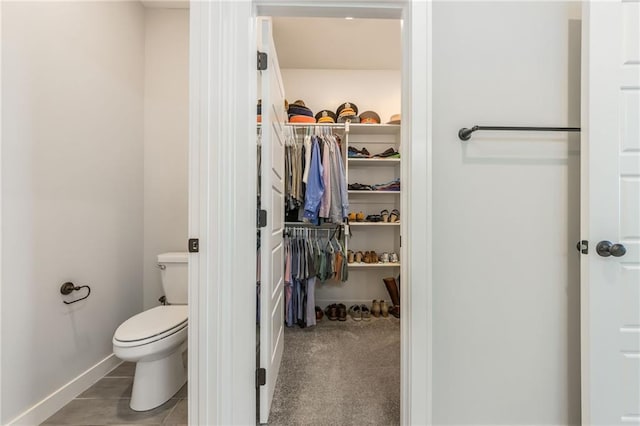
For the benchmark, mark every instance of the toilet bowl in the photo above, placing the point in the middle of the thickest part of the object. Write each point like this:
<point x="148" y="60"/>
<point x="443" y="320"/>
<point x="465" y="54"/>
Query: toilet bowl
<point x="155" y="339"/>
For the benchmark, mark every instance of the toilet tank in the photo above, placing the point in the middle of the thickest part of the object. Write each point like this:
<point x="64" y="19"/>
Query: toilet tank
<point x="174" y="275"/>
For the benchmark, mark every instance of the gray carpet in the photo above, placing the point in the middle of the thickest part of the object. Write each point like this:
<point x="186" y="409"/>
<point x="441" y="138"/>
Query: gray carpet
<point x="340" y="373"/>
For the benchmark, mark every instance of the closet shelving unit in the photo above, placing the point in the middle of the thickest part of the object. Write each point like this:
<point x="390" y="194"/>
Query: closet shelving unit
<point x="365" y="283"/>
<point x="378" y="236"/>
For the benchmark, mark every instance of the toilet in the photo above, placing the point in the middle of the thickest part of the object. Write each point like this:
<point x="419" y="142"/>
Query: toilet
<point x="155" y="339"/>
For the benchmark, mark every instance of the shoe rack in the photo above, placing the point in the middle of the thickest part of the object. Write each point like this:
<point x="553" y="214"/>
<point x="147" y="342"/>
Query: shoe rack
<point x="380" y="237"/>
<point x="365" y="281"/>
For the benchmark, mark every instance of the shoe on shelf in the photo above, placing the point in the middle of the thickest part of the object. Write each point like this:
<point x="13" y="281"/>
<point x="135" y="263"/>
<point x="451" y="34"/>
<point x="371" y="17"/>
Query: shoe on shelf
<point x="384" y="215"/>
<point x="394" y="216"/>
<point x="359" y="257"/>
<point x="359" y="187"/>
<point x="367" y="257"/>
<point x="350" y="256"/>
<point x="342" y="312"/>
<point x="373" y="257"/>
<point x="373" y="218"/>
<point x="384" y="257"/>
<point x="393" y="257"/>
<point x="351" y="216"/>
<point x="384" y="308"/>
<point x="375" y="308"/>
<point x="355" y="312"/>
<point x="360" y="217"/>
<point x="366" y="313"/>
<point x="386" y="153"/>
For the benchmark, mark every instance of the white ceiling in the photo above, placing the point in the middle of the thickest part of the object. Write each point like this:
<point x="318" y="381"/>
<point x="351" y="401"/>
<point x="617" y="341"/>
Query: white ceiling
<point x="338" y="43"/>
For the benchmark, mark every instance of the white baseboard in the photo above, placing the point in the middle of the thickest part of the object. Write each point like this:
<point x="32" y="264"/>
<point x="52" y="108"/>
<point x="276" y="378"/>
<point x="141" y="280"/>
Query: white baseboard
<point x="61" y="397"/>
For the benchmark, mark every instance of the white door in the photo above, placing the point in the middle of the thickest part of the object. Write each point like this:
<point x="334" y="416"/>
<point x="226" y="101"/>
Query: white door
<point x="272" y="190"/>
<point x="611" y="212"/>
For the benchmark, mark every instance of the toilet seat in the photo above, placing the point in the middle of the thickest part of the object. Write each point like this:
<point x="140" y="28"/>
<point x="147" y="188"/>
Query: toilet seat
<point x="151" y="325"/>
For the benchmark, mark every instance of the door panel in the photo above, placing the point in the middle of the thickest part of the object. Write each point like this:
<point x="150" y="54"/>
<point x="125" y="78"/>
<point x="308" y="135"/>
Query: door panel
<point x="272" y="271"/>
<point x="611" y="206"/>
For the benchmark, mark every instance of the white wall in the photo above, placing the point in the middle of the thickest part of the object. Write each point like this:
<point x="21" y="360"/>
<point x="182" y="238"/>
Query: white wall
<point x="72" y="182"/>
<point x="506" y="215"/>
<point x="376" y="90"/>
<point x="166" y="138"/>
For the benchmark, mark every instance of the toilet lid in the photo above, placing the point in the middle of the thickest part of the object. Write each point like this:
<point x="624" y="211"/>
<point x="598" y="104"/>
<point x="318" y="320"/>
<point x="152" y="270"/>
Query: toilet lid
<point x="153" y="322"/>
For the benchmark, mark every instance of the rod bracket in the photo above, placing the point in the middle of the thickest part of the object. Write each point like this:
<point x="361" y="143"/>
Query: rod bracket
<point x="465" y="133"/>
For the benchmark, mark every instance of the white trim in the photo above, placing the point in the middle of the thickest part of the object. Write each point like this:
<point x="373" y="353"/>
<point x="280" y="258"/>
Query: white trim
<point x="585" y="395"/>
<point x="198" y="31"/>
<point x="222" y="214"/>
<point x="416" y="282"/>
<point x="1" y="417"/>
<point x="223" y="96"/>
<point x="65" y="394"/>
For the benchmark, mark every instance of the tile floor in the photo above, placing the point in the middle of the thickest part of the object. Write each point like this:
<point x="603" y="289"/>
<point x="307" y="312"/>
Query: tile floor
<point x="107" y="403"/>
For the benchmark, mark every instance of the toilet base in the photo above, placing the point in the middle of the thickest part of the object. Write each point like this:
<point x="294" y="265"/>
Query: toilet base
<point x="155" y="382"/>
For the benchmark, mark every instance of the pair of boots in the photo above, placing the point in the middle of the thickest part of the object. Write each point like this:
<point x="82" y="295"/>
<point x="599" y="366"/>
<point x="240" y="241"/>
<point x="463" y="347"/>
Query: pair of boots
<point x="394" y="293"/>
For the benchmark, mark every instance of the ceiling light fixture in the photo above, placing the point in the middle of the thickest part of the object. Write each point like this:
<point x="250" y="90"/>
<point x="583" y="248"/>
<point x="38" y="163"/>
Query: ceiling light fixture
<point x="349" y="18"/>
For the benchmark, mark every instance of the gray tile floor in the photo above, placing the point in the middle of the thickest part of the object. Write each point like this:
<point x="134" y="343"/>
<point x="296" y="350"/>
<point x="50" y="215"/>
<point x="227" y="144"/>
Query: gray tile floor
<point x="107" y="403"/>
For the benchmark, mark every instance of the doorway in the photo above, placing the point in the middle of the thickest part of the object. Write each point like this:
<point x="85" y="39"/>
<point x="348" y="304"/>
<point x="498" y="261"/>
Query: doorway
<point x="224" y="166"/>
<point x="345" y="353"/>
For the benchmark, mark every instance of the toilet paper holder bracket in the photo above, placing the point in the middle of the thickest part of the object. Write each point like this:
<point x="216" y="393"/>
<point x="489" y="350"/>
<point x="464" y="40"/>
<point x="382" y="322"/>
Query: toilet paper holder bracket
<point x="69" y="287"/>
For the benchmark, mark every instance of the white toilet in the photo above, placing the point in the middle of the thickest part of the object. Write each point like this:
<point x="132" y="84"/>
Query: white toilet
<point x="154" y="339"/>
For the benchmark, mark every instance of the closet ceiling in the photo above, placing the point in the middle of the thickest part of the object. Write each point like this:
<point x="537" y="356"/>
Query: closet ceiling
<point x="338" y="43"/>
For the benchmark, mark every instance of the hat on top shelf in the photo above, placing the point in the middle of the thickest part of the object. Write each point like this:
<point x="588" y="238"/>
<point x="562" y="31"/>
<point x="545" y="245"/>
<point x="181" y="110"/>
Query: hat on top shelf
<point x="347" y="111"/>
<point x="299" y="113"/>
<point x="326" y="116"/>
<point x="369" y="117"/>
<point x="259" y="111"/>
<point x="395" y="119"/>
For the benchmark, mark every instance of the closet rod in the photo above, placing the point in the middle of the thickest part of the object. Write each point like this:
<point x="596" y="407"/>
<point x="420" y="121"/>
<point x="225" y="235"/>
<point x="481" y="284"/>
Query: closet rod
<point x="465" y="133"/>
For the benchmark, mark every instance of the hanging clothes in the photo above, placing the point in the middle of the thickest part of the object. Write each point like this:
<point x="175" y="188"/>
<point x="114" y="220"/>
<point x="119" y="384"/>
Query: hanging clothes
<point x="315" y="185"/>
<point x="309" y="258"/>
<point x="315" y="177"/>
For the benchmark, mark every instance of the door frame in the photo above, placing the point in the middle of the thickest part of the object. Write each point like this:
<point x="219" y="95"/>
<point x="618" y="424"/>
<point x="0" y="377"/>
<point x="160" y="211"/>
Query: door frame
<point x="585" y="395"/>
<point x="222" y="202"/>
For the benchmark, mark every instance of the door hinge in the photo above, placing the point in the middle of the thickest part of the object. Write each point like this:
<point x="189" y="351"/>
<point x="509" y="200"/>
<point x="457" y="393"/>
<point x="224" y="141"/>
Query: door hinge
<point x="194" y="245"/>
<point x="262" y="61"/>
<point x="583" y="246"/>
<point x="262" y="218"/>
<point x="261" y="377"/>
